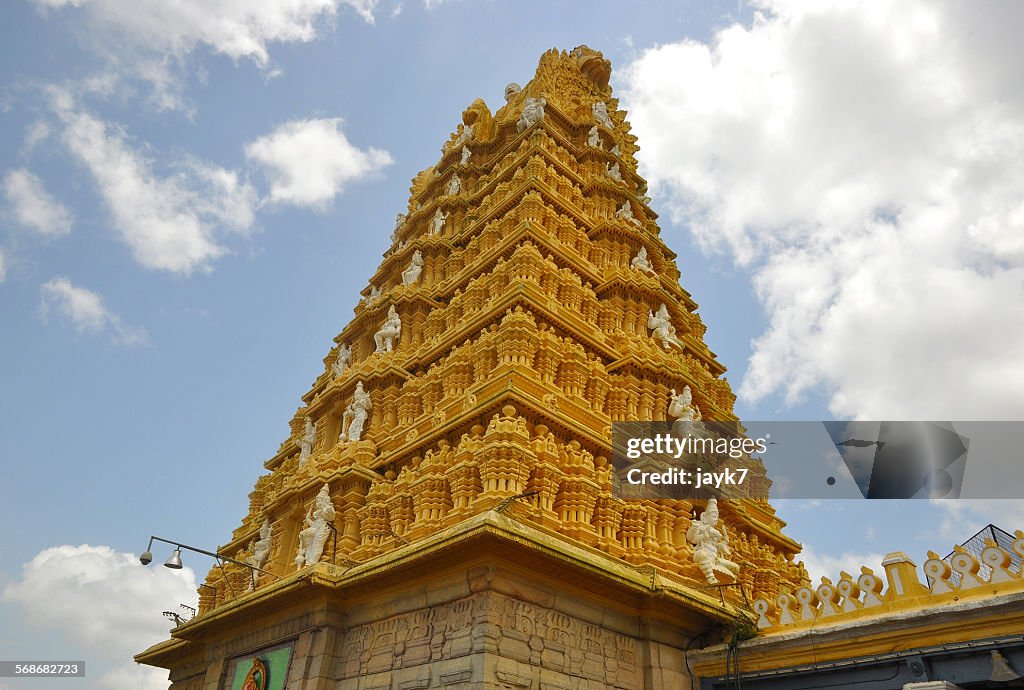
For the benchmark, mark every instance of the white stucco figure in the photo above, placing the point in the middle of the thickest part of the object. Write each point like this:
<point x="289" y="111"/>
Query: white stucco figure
<point x="466" y="153"/>
<point x="662" y="329"/>
<point x="260" y="550"/>
<point x="399" y="222"/>
<point x="626" y="213"/>
<point x="437" y="224"/>
<point x="465" y="135"/>
<point x="343" y="359"/>
<point x="511" y="90"/>
<point x="387" y="335"/>
<point x="686" y="414"/>
<point x="260" y="546"/>
<point x="533" y="112"/>
<point x="454" y="185"/>
<point x="612" y="171"/>
<point x="711" y="544"/>
<point x="593" y="138"/>
<point x="307" y="441"/>
<point x="411" y="274"/>
<point x="314" y="535"/>
<point x="616" y="152"/>
<point x="374" y="292"/>
<point x="600" y="110"/>
<point x="355" y="415"/>
<point x="641" y="262"/>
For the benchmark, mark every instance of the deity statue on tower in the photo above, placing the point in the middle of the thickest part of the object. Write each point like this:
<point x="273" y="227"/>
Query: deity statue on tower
<point x="662" y="329"/>
<point x="711" y="544"/>
<point x="307" y="441"/>
<point x="356" y="414"/>
<point x="313" y="537"/>
<point x="343" y="359"/>
<point x="389" y="331"/>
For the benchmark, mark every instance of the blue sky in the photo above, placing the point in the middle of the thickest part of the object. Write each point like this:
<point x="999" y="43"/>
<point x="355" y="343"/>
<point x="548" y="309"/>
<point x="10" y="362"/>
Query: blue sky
<point x="192" y="199"/>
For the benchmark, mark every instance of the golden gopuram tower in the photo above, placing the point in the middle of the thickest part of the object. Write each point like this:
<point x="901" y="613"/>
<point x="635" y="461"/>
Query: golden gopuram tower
<point x="441" y="514"/>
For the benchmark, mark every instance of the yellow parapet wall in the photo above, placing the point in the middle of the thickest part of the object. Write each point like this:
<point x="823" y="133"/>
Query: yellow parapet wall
<point x="870" y="595"/>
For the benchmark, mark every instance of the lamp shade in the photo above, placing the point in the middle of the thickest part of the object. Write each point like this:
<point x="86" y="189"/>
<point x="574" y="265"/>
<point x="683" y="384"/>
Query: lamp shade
<point x="175" y="560"/>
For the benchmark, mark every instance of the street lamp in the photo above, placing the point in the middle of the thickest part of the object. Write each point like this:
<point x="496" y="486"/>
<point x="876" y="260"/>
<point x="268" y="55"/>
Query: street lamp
<point x="174" y="560"/>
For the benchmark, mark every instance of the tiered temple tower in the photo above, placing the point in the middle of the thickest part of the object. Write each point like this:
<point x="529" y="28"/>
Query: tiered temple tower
<point x="442" y="513"/>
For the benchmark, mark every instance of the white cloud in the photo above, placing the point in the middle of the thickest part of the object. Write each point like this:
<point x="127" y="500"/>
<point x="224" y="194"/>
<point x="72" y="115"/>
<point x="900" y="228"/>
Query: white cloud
<point x="308" y="162"/>
<point x="33" y="206"/>
<point x="170" y="223"/>
<point x="151" y="39"/>
<point x="866" y="160"/>
<point x="962" y="518"/>
<point x="824" y="565"/>
<point x="85" y="309"/>
<point x="35" y="133"/>
<point x="105" y="601"/>
<point x="3" y="265"/>
<point x="134" y="677"/>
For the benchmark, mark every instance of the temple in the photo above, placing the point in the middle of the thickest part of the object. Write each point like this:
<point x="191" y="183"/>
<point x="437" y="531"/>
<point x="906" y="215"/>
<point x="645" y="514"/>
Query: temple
<point x="441" y="514"/>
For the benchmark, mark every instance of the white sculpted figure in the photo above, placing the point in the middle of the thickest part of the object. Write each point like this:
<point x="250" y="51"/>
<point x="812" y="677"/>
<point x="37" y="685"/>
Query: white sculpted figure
<point x="511" y="90"/>
<point x="612" y="171"/>
<point x="466" y="153"/>
<point x="313" y="537"/>
<point x="593" y="138"/>
<point x="641" y="261"/>
<point x="454" y="186"/>
<point x="616" y="152"/>
<point x="437" y="224"/>
<point x="411" y="274"/>
<point x="356" y="414"/>
<point x="711" y="544"/>
<point x="343" y="359"/>
<point x="465" y="135"/>
<point x="626" y="213"/>
<point x="399" y="222"/>
<point x="374" y="292"/>
<point x="687" y="415"/>
<point x="260" y="550"/>
<point x="307" y="441"/>
<point x="600" y="111"/>
<point x="533" y="112"/>
<point x="389" y="331"/>
<point x="662" y="329"/>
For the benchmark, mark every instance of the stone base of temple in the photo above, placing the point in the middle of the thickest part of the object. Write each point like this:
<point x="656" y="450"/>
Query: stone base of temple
<point x="488" y="605"/>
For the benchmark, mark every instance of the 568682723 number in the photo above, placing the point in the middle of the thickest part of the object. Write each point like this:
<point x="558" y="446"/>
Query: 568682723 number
<point x="41" y="669"/>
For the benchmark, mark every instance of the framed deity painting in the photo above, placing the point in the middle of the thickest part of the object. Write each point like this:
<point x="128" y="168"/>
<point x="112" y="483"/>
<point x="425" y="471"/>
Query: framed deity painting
<point x="263" y="670"/>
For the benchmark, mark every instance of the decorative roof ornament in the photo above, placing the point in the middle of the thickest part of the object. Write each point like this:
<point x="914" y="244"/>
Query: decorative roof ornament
<point x="593" y="66"/>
